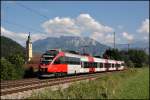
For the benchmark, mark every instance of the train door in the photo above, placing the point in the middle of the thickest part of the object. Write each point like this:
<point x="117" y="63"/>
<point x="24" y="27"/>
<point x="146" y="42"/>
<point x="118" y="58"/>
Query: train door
<point x="91" y="68"/>
<point x="106" y="65"/>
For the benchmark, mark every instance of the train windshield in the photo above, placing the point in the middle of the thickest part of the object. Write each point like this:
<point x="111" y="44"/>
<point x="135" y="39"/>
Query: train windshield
<point x="48" y="56"/>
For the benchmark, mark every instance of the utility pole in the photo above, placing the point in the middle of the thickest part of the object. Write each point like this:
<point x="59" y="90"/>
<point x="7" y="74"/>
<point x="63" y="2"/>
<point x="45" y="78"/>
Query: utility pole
<point x="114" y="40"/>
<point x="128" y="46"/>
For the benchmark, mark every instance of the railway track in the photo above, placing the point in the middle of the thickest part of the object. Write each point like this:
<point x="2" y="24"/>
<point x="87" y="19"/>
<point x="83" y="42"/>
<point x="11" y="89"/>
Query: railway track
<point x="17" y="83"/>
<point x="34" y="83"/>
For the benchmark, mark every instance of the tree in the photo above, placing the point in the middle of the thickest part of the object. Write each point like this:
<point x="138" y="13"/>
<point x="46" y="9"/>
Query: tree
<point x="113" y="54"/>
<point x="138" y="57"/>
<point x="133" y="57"/>
<point x="7" y="70"/>
<point x="18" y="61"/>
<point x="130" y="64"/>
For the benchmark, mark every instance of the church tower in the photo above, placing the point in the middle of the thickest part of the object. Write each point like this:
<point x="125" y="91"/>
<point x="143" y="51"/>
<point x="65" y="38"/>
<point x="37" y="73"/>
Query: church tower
<point x="29" y="48"/>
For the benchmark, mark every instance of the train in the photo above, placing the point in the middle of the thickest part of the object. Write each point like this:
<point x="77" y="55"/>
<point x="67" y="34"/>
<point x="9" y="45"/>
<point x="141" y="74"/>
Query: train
<point x="58" y="63"/>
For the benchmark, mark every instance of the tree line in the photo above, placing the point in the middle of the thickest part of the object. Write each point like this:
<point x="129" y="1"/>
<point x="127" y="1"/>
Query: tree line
<point x="132" y="57"/>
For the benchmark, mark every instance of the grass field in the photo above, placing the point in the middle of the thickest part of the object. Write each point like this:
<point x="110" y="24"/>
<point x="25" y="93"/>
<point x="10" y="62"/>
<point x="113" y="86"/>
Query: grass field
<point x="131" y="84"/>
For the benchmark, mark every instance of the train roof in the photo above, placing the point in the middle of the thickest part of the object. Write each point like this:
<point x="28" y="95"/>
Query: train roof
<point x="72" y="53"/>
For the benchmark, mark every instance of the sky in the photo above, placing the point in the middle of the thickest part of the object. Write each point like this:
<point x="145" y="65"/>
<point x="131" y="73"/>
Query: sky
<point x="95" y="19"/>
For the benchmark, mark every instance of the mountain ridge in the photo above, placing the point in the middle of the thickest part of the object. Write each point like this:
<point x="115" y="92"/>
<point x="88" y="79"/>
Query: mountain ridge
<point x="70" y="43"/>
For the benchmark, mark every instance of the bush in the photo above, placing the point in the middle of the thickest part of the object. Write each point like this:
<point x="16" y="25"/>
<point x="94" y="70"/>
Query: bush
<point x="130" y="64"/>
<point x="11" y="68"/>
<point x="138" y="57"/>
<point x="7" y="70"/>
<point x="18" y="61"/>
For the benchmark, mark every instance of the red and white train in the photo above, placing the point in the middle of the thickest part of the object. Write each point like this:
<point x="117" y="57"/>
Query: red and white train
<point x="60" y="62"/>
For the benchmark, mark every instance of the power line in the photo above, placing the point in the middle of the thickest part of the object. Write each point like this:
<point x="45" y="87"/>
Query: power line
<point x="22" y="26"/>
<point x="34" y="11"/>
<point x="128" y="45"/>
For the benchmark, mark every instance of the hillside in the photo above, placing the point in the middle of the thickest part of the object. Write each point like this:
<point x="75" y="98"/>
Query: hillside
<point x="9" y="46"/>
<point x="70" y="43"/>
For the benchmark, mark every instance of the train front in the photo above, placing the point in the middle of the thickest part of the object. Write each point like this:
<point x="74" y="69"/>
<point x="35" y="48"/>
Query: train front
<point x="46" y="61"/>
<point x="52" y="64"/>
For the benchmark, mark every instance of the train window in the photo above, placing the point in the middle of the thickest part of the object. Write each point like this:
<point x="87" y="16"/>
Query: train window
<point x="109" y="65"/>
<point x="101" y="65"/>
<point x="113" y="65"/>
<point x="85" y="64"/>
<point x="88" y="64"/>
<point x="45" y="62"/>
<point x="117" y="65"/>
<point x="92" y="64"/>
<point x="95" y="65"/>
<point x="51" y="52"/>
<point x="70" y="60"/>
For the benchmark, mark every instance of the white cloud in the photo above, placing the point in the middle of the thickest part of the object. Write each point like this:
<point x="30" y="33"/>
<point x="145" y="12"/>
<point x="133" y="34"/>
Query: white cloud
<point x="103" y="38"/>
<point x="61" y="26"/>
<point x="87" y="23"/>
<point x="78" y="26"/>
<point x="144" y="27"/>
<point x="127" y="36"/>
<point x="21" y="37"/>
<point x="109" y="38"/>
<point x="18" y="37"/>
<point x="97" y="30"/>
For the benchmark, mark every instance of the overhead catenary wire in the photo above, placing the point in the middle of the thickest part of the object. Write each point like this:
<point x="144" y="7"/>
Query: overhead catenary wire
<point x="22" y="26"/>
<point x="33" y="11"/>
<point x="128" y="45"/>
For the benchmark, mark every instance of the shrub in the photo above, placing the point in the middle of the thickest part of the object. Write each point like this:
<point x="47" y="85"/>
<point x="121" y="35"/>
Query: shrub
<point x="7" y="70"/>
<point x="11" y="68"/>
<point x="130" y="64"/>
<point x="18" y="61"/>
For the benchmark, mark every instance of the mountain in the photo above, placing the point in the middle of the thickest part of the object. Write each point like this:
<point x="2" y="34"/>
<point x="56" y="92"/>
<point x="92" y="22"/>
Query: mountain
<point x="9" y="46"/>
<point x="70" y="43"/>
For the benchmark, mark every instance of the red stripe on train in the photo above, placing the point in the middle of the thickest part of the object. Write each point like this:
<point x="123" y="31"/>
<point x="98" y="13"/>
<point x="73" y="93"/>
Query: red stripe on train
<point x="91" y="59"/>
<point x="91" y="70"/>
<point x="58" y="68"/>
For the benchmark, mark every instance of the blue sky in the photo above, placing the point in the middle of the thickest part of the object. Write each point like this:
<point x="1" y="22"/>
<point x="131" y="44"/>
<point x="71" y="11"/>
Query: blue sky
<point x="126" y="18"/>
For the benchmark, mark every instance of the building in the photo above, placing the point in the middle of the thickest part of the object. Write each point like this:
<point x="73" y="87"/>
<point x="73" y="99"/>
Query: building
<point x="29" y="48"/>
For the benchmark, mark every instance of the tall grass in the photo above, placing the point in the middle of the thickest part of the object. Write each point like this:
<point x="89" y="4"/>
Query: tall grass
<point x="135" y="87"/>
<point x="133" y="84"/>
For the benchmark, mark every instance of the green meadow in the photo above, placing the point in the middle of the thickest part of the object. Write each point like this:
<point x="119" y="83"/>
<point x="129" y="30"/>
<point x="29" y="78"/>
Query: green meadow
<point x="129" y="84"/>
